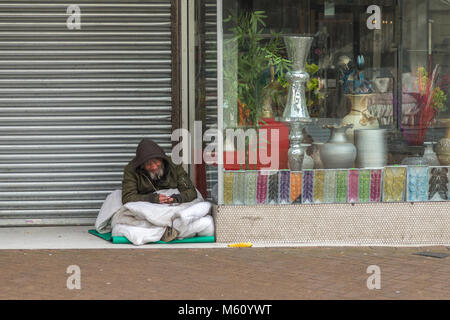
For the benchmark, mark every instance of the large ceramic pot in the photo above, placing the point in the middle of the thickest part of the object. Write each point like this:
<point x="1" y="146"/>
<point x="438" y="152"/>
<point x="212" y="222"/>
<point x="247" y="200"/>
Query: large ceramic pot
<point x="371" y="146"/>
<point x="338" y="152"/>
<point x="443" y="146"/>
<point x="359" y="116"/>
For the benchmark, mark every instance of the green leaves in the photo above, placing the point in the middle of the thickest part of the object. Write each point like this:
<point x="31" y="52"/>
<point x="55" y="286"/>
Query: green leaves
<point x="312" y="68"/>
<point x="439" y="99"/>
<point x="255" y="57"/>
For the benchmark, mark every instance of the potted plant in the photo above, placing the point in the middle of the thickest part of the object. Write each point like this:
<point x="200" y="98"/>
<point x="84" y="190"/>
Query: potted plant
<point x="254" y="76"/>
<point x="256" y="55"/>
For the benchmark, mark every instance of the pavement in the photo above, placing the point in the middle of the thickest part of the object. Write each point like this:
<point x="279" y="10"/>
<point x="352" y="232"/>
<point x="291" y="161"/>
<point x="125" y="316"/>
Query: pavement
<point x="67" y="263"/>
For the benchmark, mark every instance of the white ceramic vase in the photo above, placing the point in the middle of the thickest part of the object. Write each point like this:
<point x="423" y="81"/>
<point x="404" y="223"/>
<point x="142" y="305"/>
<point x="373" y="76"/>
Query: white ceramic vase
<point x="371" y="146"/>
<point x="429" y="155"/>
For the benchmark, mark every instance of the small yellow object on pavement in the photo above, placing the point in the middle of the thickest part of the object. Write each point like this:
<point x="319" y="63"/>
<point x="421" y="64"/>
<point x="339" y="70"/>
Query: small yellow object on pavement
<point x="240" y="245"/>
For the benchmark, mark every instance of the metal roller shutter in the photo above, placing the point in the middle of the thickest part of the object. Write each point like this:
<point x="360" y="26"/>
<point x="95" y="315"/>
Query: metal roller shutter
<point x="211" y="81"/>
<point x="75" y="103"/>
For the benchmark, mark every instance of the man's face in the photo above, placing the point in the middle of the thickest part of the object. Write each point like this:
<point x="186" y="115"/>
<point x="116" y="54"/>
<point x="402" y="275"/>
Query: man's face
<point x="154" y="167"/>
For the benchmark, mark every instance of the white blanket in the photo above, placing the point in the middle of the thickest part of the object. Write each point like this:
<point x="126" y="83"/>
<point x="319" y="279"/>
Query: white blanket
<point x="143" y="222"/>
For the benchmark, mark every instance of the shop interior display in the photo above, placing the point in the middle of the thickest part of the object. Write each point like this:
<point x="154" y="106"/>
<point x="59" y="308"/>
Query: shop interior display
<point x="382" y="97"/>
<point x="429" y="101"/>
<point x="443" y="146"/>
<point x="247" y="55"/>
<point x="381" y="105"/>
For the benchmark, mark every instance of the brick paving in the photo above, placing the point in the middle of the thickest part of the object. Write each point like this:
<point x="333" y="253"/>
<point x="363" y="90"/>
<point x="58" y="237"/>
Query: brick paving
<point x="226" y="273"/>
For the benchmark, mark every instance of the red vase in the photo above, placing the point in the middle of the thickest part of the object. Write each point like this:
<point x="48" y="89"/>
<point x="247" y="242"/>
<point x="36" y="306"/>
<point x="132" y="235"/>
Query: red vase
<point x="414" y="135"/>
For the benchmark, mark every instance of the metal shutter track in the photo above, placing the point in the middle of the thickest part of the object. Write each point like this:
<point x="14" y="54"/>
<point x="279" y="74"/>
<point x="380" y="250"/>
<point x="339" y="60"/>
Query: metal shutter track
<point x="211" y="82"/>
<point x="75" y="103"/>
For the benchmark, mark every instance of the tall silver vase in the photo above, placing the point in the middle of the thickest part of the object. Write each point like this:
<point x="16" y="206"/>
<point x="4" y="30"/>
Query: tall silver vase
<point x="298" y="49"/>
<point x="296" y="112"/>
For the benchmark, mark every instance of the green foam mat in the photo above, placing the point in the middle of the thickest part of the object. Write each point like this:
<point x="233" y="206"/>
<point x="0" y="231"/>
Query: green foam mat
<point x="124" y="240"/>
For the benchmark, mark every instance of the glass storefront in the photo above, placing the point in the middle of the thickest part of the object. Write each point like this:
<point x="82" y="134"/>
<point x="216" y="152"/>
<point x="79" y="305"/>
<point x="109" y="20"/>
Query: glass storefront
<point x="334" y="101"/>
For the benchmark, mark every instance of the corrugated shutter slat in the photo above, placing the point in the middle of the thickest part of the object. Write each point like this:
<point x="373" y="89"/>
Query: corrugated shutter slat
<point x="75" y="103"/>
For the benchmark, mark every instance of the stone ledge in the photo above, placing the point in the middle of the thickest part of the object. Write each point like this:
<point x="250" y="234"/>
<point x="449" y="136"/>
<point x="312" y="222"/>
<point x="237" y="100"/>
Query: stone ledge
<point x="389" y="224"/>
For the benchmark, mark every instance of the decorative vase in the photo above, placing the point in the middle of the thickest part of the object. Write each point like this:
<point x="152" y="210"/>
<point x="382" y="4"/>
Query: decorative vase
<point x="338" y="152"/>
<point x="296" y="111"/>
<point x="382" y="84"/>
<point x="371" y="146"/>
<point x="414" y="135"/>
<point x="443" y="146"/>
<point x="267" y="110"/>
<point x="429" y="155"/>
<point x="298" y="49"/>
<point x="308" y="162"/>
<point x="296" y="152"/>
<point x="414" y="160"/>
<point x="359" y="116"/>
<point x="316" y="155"/>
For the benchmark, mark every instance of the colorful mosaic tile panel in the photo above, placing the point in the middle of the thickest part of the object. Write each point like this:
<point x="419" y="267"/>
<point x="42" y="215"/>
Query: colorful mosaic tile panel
<point x="296" y="187"/>
<point x="228" y="184"/>
<point x="375" y="185"/>
<point x="308" y="186"/>
<point x="238" y="187"/>
<point x="394" y="184"/>
<point x="261" y="187"/>
<point x="250" y="187"/>
<point x="364" y="185"/>
<point x="353" y="186"/>
<point x="341" y="186"/>
<point x="319" y="179"/>
<point x="273" y="188"/>
<point x="438" y="184"/>
<point x="285" y="184"/>
<point x="417" y="180"/>
<point x="329" y="193"/>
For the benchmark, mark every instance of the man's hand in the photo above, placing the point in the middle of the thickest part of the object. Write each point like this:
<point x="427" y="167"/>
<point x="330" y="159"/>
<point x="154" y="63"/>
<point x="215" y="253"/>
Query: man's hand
<point x="165" y="199"/>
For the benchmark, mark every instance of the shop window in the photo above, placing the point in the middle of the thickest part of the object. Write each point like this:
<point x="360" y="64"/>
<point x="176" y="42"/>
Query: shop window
<point x="364" y="118"/>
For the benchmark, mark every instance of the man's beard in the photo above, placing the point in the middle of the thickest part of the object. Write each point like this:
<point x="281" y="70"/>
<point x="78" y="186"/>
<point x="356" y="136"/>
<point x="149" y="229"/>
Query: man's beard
<point x="158" y="174"/>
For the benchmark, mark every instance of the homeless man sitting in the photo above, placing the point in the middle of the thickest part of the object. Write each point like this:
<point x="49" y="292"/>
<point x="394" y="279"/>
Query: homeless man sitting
<point x="151" y="170"/>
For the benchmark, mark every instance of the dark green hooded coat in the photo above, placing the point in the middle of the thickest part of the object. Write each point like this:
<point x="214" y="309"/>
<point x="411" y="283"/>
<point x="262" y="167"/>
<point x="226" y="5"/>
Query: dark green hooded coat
<point x="138" y="186"/>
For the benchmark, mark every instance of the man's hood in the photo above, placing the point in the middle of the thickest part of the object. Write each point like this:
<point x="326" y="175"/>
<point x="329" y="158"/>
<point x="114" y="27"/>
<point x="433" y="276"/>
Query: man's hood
<point x="147" y="150"/>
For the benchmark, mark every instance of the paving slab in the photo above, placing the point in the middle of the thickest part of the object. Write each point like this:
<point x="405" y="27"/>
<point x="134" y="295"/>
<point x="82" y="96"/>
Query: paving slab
<point x="38" y="263"/>
<point x="223" y="273"/>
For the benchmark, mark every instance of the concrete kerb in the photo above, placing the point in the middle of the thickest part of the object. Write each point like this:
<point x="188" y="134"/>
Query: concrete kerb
<point x="77" y="237"/>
